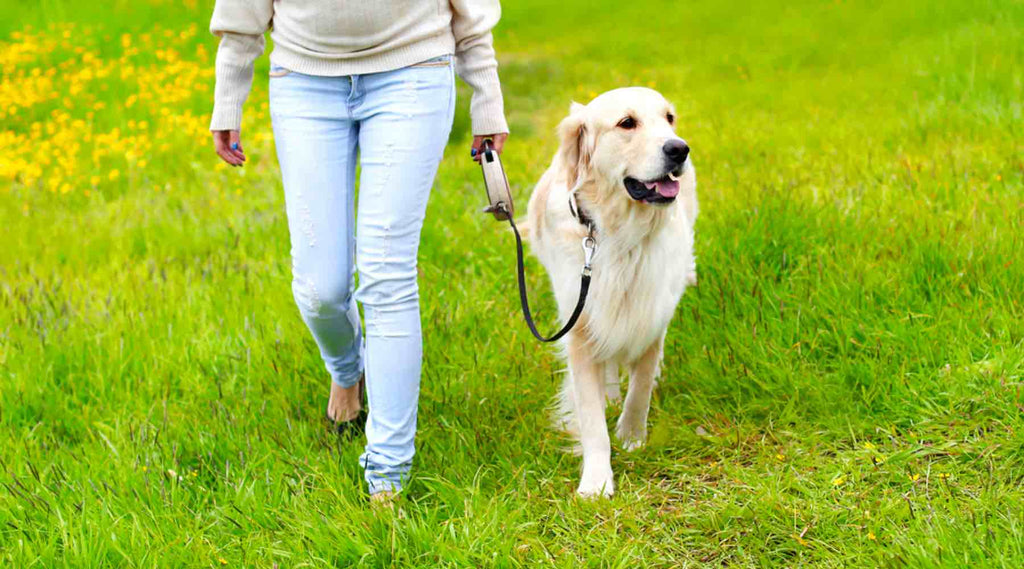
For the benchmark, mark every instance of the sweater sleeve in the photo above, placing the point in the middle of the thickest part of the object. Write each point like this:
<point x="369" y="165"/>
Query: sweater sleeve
<point x="472" y="21"/>
<point x="240" y="24"/>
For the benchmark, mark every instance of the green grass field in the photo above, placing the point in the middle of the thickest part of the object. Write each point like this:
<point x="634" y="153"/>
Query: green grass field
<point x="842" y="389"/>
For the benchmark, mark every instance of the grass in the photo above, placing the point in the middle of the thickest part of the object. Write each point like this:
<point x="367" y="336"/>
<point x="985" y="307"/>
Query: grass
<point x="842" y="389"/>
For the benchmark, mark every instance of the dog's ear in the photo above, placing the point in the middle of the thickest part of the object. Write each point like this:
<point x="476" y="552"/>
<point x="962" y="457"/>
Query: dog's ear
<point x="575" y="107"/>
<point x="577" y="145"/>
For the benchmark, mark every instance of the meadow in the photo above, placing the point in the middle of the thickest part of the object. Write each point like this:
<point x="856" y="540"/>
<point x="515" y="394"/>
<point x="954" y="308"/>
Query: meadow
<point x="843" y="388"/>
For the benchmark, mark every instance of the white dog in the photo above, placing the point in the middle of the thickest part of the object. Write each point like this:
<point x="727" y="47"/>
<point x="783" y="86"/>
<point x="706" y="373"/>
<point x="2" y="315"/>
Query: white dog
<point x="622" y="168"/>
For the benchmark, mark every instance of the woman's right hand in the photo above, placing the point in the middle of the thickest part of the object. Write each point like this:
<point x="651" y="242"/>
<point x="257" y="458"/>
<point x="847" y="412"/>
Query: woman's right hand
<point x="228" y="144"/>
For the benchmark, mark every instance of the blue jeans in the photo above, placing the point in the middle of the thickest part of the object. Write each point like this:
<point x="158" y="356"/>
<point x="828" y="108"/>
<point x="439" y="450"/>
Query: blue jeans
<point x="399" y="122"/>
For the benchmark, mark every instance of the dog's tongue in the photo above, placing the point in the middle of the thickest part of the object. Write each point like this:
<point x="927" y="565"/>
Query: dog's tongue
<point x="665" y="187"/>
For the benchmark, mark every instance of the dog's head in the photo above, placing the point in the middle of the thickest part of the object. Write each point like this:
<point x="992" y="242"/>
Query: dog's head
<point x="625" y="139"/>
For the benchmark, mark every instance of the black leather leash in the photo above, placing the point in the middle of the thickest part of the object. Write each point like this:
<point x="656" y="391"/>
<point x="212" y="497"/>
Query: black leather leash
<point x="499" y="194"/>
<point x="588" y="255"/>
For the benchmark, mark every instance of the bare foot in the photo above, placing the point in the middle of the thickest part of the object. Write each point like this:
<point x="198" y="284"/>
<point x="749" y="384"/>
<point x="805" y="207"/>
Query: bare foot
<point x="345" y="402"/>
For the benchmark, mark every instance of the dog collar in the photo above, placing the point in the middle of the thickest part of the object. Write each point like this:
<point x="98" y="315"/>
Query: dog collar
<point x="578" y="212"/>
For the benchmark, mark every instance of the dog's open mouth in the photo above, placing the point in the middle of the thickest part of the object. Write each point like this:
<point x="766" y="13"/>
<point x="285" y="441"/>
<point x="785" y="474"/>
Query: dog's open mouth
<point x="660" y="190"/>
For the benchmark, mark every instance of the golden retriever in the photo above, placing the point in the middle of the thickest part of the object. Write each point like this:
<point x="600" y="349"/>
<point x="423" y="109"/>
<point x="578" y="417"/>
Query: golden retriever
<point x="622" y="168"/>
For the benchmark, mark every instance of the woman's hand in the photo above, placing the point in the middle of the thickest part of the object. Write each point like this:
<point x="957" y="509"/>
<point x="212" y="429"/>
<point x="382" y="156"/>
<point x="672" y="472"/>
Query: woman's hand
<point x="228" y="145"/>
<point x="497" y="142"/>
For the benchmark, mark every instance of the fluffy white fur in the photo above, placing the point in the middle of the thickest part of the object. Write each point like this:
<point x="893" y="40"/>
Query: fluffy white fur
<point x="643" y="263"/>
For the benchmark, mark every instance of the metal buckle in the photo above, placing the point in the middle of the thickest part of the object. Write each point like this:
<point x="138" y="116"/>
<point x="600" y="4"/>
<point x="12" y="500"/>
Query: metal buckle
<point x="497" y="209"/>
<point x="589" y="245"/>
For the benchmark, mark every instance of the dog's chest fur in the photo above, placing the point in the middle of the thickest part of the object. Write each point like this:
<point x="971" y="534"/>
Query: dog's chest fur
<point x="637" y="283"/>
<point x="638" y="278"/>
<point x="642" y="265"/>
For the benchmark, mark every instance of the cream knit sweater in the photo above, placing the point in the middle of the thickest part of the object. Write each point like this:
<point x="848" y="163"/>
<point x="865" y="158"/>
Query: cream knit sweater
<point x="347" y="37"/>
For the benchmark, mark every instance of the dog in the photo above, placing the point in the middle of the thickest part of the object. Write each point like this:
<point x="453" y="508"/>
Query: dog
<point x="622" y="172"/>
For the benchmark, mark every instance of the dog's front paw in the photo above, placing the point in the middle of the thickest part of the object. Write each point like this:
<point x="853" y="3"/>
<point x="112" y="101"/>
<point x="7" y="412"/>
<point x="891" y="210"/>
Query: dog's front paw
<point x="596" y="483"/>
<point x="631" y="435"/>
<point x="632" y="445"/>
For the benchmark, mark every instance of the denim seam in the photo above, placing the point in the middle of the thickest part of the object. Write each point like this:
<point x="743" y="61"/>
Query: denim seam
<point x="432" y="64"/>
<point x="353" y="96"/>
<point x="439" y="61"/>
<point x="451" y="100"/>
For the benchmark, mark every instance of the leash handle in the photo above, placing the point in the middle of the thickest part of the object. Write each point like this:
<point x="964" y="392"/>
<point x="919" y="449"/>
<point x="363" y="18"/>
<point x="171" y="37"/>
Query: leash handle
<point x="588" y="255"/>
<point x="499" y="195"/>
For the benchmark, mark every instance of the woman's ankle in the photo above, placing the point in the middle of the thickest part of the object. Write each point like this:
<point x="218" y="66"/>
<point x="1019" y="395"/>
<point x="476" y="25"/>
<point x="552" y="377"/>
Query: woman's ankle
<point x="344" y="403"/>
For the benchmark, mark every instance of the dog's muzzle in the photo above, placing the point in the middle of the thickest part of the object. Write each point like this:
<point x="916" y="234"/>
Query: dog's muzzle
<point x="659" y="190"/>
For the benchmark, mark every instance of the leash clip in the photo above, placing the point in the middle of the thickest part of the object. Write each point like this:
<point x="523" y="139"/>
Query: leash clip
<point x="589" y="244"/>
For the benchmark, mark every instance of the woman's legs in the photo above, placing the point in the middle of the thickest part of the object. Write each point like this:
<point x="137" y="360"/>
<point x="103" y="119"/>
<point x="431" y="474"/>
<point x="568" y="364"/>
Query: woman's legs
<point x="405" y="119"/>
<point x="316" y="140"/>
<point x="400" y="121"/>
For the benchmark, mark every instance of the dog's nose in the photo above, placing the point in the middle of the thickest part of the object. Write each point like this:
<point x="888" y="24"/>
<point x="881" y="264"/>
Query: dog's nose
<point x="676" y="150"/>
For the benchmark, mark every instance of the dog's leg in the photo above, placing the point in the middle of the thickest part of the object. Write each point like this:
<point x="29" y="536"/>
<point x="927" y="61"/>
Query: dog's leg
<point x="612" y="391"/>
<point x="588" y="389"/>
<point x="632" y="427"/>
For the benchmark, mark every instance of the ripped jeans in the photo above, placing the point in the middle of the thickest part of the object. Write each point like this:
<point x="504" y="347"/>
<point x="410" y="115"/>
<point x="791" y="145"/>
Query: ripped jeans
<point x="399" y="122"/>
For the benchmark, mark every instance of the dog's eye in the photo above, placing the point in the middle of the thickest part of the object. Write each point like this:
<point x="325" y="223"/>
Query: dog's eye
<point x="671" y="118"/>
<point x="628" y="123"/>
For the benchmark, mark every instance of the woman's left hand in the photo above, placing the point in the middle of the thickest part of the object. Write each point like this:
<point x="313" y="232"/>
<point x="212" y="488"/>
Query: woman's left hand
<point x="497" y="142"/>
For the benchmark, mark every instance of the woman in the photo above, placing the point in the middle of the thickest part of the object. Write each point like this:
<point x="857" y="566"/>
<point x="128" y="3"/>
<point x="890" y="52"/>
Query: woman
<point x="376" y="77"/>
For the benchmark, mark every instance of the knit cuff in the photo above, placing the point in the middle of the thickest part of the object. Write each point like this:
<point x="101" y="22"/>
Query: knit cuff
<point x="234" y="70"/>
<point x="226" y="116"/>
<point x="487" y="107"/>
